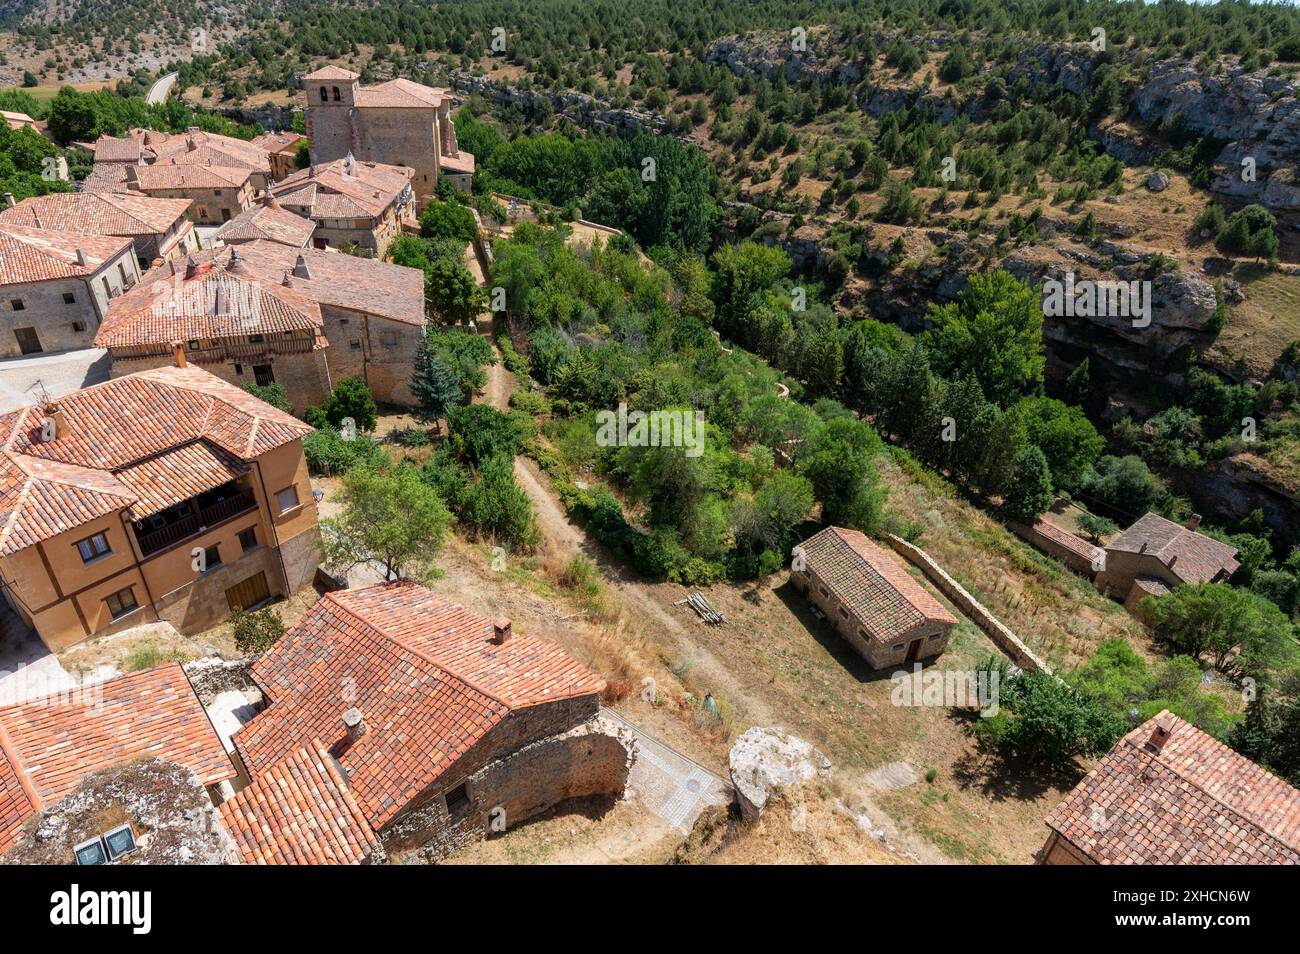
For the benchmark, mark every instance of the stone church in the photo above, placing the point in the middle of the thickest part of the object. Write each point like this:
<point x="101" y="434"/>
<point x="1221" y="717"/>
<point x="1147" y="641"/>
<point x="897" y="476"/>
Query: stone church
<point x="399" y="123"/>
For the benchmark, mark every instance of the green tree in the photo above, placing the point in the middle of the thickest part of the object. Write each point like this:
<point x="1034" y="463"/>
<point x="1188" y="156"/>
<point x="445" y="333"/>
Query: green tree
<point x="994" y="331"/>
<point x="1030" y="493"/>
<point x="1065" y="436"/>
<point x="447" y="220"/>
<point x="452" y="292"/>
<point x="1250" y="231"/>
<point x="435" y="386"/>
<point x="273" y="394"/>
<point x="1236" y="631"/>
<point x="390" y="517"/>
<point x="1044" y="719"/>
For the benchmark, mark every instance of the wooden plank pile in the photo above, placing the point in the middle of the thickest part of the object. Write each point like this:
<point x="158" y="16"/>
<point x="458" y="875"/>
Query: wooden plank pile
<point x="700" y="603"/>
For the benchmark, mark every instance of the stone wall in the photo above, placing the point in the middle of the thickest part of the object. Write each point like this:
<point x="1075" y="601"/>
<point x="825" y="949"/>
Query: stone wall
<point x="1006" y="640"/>
<point x="590" y="759"/>
<point x="61" y="325"/>
<point x="305" y="375"/>
<point x="378" y="350"/>
<point x="202" y="603"/>
<point x="301" y="556"/>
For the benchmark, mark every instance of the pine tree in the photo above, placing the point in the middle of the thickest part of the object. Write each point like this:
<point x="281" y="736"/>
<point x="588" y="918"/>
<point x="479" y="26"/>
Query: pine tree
<point x="435" y="386"/>
<point x="1030" y="493"/>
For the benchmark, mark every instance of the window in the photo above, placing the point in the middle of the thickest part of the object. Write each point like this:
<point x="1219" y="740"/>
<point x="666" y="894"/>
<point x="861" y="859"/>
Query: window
<point x="17" y="304"/>
<point x="896" y="647"/>
<point x="390" y="339"/>
<point x="324" y="96"/>
<point x="121" y="270"/>
<point x="93" y="547"/>
<point x="192" y="344"/>
<point x="69" y="298"/>
<point x="336" y="93"/>
<point x="825" y="592"/>
<point x="287" y="499"/>
<point x="78" y="326"/>
<point x="457" y="799"/>
<point x="216" y="192"/>
<point x="356" y="344"/>
<point x="108" y="289"/>
<point x="844" y="614"/>
<point x="256" y="339"/>
<point x="121" y="602"/>
<point x="248" y="538"/>
<point x="239" y="369"/>
<point x="212" y="557"/>
<point x="935" y="636"/>
<point x="264" y="374"/>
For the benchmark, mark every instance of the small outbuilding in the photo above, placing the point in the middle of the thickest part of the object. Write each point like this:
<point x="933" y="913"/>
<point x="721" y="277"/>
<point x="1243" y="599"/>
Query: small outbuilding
<point x="874" y="603"/>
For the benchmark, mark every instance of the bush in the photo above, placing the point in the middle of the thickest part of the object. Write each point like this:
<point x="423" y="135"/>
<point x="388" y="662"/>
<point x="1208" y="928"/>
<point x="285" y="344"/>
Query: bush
<point x="328" y="452"/>
<point x="256" y="632"/>
<point x="1097" y="527"/>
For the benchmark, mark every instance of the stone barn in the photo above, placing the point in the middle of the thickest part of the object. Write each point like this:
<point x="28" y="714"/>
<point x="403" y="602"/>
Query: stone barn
<point x="886" y="615"/>
<point x="444" y="726"/>
<point x="1155" y="555"/>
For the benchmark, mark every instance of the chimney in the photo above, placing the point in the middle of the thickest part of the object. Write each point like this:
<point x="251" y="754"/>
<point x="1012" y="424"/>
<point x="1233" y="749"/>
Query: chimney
<point x="501" y="630"/>
<point x="132" y="177"/>
<point x="178" y="354"/>
<point x="1159" y="736"/>
<point x="81" y="256"/>
<point x="1193" y="522"/>
<point x="54" y="413"/>
<point x="300" y="269"/>
<point x="191" y="266"/>
<point x="10" y="200"/>
<point x="353" y="724"/>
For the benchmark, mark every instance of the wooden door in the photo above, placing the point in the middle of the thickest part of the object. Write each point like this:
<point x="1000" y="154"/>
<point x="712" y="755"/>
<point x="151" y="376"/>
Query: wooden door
<point x="28" y="340"/>
<point x="914" y="650"/>
<point x="248" y="592"/>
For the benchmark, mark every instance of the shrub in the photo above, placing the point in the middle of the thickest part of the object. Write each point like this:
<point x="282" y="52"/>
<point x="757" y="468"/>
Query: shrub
<point x="256" y="632"/>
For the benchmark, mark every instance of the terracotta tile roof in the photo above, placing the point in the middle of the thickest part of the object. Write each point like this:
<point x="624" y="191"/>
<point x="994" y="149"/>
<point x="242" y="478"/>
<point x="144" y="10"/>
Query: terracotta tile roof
<point x="48" y="487"/>
<point x="330" y="73"/>
<point x="106" y="177"/>
<point x="95" y="213"/>
<point x="112" y="149"/>
<point x="271" y="222"/>
<point x="17" y="120"/>
<point x="428" y="687"/>
<point x="285" y="142"/>
<point x="38" y="255"/>
<point x="1152" y="585"/>
<point x="461" y="163"/>
<point x="17" y="802"/>
<point x="1193" y="557"/>
<point x="330" y="190"/>
<point x="1191" y="801"/>
<point x="871" y="584"/>
<point x="1064" y="538"/>
<point x="164" y="479"/>
<point x="206" y="149"/>
<point x="344" y="281"/>
<point x="179" y="175"/>
<point x="216" y="299"/>
<point x="300" y="812"/>
<point x="51" y="743"/>
<point x="400" y="93"/>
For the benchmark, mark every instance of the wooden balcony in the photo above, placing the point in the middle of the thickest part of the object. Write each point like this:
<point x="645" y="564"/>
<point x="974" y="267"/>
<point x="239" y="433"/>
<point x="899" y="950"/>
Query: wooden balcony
<point x="194" y="523"/>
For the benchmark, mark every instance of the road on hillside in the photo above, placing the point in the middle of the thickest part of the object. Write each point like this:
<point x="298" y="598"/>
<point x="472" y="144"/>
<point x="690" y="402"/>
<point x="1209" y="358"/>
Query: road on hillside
<point x="158" y="91"/>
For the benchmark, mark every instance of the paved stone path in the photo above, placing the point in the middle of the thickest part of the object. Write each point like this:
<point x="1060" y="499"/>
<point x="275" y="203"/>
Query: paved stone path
<point x="892" y="775"/>
<point x="669" y="784"/>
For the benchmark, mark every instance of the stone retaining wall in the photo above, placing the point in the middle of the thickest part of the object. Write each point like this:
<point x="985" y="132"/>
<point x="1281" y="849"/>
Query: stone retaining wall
<point x="1005" y="639"/>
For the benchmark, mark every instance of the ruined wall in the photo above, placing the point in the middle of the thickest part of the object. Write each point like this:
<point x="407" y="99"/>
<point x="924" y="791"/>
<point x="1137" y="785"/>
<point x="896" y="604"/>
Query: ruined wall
<point x="591" y="759"/>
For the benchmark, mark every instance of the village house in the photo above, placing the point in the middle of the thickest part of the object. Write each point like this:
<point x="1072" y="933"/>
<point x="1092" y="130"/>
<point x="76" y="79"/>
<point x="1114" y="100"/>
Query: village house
<point x="352" y="203"/>
<point x="281" y="150"/>
<point x="218" y="193"/>
<point x="883" y="613"/>
<point x="48" y="745"/>
<point x="1155" y="555"/>
<point x="268" y="220"/>
<point x="158" y="228"/>
<point x="56" y="287"/>
<point x="214" y="311"/>
<point x="449" y="725"/>
<point x="398" y="122"/>
<point x="143" y="147"/>
<point x="16" y="120"/>
<point x="1169" y="794"/>
<point x="165" y="495"/>
<point x="373" y="311"/>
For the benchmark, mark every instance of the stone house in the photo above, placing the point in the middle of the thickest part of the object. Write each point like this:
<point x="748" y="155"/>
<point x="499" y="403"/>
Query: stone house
<point x="145" y="147"/>
<point x="1155" y="555"/>
<point x="164" y="495"/>
<point x="1169" y="794"/>
<point x="282" y="152"/>
<point x="266" y="220"/>
<point x="352" y="203"/>
<point x="373" y="311"/>
<point x="883" y="613"/>
<point x="449" y="725"/>
<point x="145" y="715"/>
<point x="56" y="287"/>
<point x="398" y="122"/>
<point x="213" y="311"/>
<point x="218" y="193"/>
<point x="158" y="228"/>
<point x="49" y="744"/>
